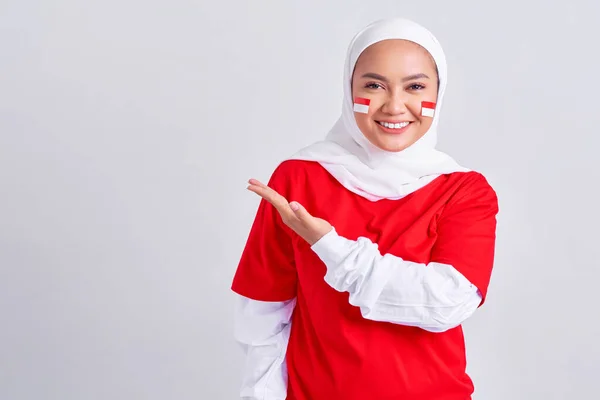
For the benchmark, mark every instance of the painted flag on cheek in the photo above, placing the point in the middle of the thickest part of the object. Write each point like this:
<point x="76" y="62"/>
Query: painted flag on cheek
<point x="361" y="105"/>
<point x="427" y="108"/>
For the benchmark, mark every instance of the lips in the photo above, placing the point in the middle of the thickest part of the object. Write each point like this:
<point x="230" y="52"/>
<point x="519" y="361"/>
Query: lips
<point x="393" y="127"/>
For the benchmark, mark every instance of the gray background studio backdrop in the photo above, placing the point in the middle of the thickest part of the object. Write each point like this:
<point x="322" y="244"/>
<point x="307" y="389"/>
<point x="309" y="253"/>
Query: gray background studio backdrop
<point x="128" y="130"/>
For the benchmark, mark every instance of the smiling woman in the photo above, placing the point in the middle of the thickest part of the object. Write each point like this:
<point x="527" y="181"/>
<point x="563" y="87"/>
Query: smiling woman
<point x="370" y="248"/>
<point x="397" y="76"/>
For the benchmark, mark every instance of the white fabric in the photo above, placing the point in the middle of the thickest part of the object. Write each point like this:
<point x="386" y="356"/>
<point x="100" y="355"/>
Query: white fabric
<point x="435" y="297"/>
<point x="349" y="156"/>
<point x="263" y="330"/>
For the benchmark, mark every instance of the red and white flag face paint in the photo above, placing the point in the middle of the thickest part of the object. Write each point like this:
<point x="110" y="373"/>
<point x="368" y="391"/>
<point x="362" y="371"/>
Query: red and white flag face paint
<point x="427" y="108"/>
<point x="361" y="105"/>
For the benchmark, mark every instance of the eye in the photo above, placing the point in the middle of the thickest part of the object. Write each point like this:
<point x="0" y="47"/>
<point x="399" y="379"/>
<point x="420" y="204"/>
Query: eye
<point x="373" y="85"/>
<point x="416" y="86"/>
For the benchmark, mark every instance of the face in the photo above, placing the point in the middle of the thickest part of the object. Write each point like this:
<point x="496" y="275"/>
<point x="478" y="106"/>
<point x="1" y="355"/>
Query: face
<point x="396" y="76"/>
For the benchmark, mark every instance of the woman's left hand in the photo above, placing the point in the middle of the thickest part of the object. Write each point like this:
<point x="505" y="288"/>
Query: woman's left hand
<point x="293" y="214"/>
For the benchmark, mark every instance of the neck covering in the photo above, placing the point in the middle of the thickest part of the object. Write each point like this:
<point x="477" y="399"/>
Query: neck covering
<point x="352" y="159"/>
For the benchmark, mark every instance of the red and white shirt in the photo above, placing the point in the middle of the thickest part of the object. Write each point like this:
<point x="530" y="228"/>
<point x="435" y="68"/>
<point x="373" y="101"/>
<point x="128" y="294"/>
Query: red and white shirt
<point x="372" y="310"/>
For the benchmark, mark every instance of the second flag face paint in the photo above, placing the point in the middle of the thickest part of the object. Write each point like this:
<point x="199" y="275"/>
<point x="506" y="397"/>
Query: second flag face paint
<point x="361" y="105"/>
<point x="427" y="108"/>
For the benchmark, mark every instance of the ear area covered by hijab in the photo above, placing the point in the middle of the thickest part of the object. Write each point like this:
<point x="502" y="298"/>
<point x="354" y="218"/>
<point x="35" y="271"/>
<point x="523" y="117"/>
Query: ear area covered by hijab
<point x="352" y="159"/>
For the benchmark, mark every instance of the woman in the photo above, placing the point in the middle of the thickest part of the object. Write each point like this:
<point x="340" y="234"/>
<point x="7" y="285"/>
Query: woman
<point x="357" y="288"/>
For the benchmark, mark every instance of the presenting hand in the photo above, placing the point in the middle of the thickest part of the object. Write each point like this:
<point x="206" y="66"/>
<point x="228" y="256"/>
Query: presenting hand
<point x="293" y="214"/>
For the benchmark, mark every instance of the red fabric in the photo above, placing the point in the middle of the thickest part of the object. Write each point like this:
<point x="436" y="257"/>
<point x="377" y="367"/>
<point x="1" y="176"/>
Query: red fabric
<point x="334" y="353"/>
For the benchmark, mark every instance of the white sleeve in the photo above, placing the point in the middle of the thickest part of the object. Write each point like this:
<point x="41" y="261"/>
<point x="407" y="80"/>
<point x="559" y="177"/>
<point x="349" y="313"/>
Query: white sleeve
<point x="435" y="297"/>
<point x="263" y="330"/>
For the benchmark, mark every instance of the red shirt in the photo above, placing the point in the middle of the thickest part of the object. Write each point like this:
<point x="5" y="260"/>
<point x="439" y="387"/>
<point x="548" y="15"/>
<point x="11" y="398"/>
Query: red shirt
<point x="334" y="353"/>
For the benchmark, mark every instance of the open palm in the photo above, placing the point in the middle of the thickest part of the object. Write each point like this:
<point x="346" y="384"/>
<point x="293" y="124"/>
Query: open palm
<point x="293" y="214"/>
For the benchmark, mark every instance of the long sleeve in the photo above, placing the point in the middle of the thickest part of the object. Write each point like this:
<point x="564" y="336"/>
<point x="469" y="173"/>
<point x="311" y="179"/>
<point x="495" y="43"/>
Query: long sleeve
<point x="434" y="297"/>
<point x="263" y="330"/>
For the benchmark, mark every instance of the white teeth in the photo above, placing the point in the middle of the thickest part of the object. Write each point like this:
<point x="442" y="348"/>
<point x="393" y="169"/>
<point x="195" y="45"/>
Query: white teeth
<point x="398" y="125"/>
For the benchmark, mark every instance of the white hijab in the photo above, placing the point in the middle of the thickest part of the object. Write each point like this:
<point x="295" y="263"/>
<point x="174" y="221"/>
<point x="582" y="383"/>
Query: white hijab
<point x="353" y="160"/>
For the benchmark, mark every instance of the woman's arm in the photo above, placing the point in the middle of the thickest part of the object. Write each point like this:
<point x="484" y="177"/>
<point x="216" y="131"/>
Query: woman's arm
<point x="434" y="297"/>
<point x="263" y="330"/>
<point x="266" y="282"/>
<point x="437" y="296"/>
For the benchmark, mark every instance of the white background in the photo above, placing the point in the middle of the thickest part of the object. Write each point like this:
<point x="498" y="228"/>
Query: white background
<point x="128" y="130"/>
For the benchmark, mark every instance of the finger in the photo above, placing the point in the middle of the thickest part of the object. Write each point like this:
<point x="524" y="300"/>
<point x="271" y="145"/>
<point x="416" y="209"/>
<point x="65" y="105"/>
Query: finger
<point x="269" y="195"/>
<point x="300" y="211"/>
<point x="256" y="182"/>
<point x="272" y="196"/>
<point x="262" y="190"/>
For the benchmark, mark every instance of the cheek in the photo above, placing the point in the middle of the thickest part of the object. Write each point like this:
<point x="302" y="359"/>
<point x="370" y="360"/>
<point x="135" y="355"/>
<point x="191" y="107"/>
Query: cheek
<point x="424" y="109"/>
<point x="363" y="121"/>
<point x="362" y="118"/>
<point x="425" y="123"/>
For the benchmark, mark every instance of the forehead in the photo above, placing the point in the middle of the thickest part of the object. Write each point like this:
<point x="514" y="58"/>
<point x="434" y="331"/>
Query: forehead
<point x="395" y="53"/>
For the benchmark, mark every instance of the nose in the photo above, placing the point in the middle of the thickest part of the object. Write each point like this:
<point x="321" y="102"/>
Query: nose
<point x="395" y="103"/>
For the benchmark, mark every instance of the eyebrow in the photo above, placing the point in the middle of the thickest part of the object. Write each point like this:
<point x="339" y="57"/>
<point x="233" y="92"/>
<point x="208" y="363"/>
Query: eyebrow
<point x="382" y="78"/>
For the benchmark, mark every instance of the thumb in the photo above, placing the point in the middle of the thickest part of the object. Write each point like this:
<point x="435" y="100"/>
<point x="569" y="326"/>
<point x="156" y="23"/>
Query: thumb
<point x="299" y="210"/>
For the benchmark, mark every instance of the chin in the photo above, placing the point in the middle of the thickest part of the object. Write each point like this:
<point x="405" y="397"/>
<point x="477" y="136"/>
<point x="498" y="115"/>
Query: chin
<point x="393" y="143"/>
<point x="393" y="147"/>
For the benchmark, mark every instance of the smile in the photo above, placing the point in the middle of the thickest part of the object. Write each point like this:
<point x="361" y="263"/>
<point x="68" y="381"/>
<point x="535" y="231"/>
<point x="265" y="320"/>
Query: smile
<point x="397" y="125"/>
